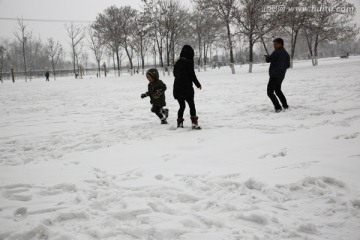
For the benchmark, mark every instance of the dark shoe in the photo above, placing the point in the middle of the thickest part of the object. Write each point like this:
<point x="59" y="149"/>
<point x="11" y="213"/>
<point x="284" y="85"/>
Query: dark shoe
<point x="164" y="121"/>
<point x="180" y="122"/>
<point x="194" y="121"/>
<point x="286" y="108"/>
<point x="278" y="110"/>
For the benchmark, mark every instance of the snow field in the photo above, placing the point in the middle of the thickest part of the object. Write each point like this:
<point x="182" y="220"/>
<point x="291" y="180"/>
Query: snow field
<point x="86" y="159"/>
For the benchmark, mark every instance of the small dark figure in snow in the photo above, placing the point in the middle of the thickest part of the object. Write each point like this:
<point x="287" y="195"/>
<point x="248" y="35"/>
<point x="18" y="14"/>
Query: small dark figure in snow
<point x="156" y="91"/>
<point x="279" y="62"/>
<point x="183" y="85"/>
<point x="47" y="74"/>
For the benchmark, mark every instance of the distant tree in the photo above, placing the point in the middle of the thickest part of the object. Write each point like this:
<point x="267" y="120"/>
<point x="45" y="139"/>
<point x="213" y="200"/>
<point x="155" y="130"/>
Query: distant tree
<point x="224" y="10"/>
<point x="126" y="21"/>
<point x="200" y="23"/>
<point x="214" y="27"/>
<point x="76" y="34"/>
<point x="333" y="22"/>
<point x="34" y="49"/>
<point x="23" y="36"/>
<point x="158" y="30"/>
<point x="115" y="26"/>
<point x="293" y="21"/>
<point x="54" y="50"/>
<point x="254" y="22"/>
<point x="2" y="60"/>
<point x="96" y="46"/>
<point x="176" y="26"/>
<point x="141" y="36"/>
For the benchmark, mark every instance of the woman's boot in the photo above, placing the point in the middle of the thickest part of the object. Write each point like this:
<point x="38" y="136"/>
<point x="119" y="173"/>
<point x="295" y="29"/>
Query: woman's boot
<point x="194" y="121"/>
<point x="180" y="122"/>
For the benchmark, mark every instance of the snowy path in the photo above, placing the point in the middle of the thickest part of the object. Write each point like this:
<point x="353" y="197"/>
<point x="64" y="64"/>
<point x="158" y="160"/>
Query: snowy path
<point x="86" y="159"/>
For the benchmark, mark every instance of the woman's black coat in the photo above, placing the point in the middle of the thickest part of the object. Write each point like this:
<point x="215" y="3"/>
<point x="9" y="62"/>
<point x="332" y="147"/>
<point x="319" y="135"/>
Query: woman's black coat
<point x="185" y="75"/>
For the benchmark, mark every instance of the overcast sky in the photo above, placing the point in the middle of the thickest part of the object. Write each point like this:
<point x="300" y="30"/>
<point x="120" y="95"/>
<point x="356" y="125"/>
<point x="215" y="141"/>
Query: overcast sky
<point x="85" y="10"/>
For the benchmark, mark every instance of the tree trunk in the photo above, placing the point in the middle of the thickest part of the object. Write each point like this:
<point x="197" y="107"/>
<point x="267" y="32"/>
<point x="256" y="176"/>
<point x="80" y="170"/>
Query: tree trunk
<point x="205" y="56"/>
<point x="114" y="66"/>
<point x="74" y="57"/>
<point x="99" y="69"/>
<point x="294" y="36"/>
<point x="308" y="40"/>
<point x="316" y="44"/>
<point x="130" y="60"/>
<point x="24" y="58"/>
<point x="231" y="48"/>
<point x="263" y="42"/>
<point x="251" y="53"/>
<point x="199" y="60"/>
<point x="118" y="61"/>
<point x="53" y="66"/>
<point x="142" y="54"/>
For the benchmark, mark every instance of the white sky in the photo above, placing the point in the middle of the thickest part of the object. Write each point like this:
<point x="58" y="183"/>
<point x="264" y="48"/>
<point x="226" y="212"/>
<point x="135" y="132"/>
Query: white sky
<point x="64" y="10"/>
<point x="85" y="10"/>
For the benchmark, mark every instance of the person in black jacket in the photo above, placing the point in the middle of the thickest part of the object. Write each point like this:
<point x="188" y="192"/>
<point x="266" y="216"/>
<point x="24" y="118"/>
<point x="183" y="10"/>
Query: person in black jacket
<point x="47" y="74"/>
<point x="156" y="91"/>
<point x="183" y="85"/>
<point x="279" y="62"/>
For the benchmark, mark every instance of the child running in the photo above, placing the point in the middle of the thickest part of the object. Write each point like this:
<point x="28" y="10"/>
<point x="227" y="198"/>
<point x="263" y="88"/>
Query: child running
<point x="156" y="92"/>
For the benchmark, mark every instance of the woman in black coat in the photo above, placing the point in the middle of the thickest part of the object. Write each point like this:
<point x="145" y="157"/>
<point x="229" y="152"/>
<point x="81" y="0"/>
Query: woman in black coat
<point x="183" y="85"/>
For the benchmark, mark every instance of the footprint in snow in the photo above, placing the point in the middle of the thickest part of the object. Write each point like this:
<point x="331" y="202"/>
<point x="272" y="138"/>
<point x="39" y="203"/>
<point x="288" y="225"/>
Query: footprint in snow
<point x="20" y="214"/>
<point x="347" y="136"/>
<point x="282" y="153"/>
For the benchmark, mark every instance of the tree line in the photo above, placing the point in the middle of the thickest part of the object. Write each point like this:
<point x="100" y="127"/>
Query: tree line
<point x="162" y="27"/>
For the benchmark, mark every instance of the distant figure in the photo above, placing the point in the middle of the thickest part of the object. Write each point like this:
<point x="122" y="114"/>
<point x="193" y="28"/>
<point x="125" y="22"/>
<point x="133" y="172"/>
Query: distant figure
<point x="183" y="85"/>
<point x="47" y="74"/>
<point x="156" y="92"/>
<point x="279" y="62"/>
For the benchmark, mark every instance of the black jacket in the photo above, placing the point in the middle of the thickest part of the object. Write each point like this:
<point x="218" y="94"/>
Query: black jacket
<point x="156" y="89"/>
<point x="279" y="62"/>
<point x="185" y="75"/>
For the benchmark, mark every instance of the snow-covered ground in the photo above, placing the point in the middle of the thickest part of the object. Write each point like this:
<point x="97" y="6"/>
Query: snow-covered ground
<point x="86" y="159"/>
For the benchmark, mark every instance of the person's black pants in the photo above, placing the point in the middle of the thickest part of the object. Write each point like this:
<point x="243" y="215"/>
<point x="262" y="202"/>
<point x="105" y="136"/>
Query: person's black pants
<point x="158" y="111"/>
<point x="182" y="104"/>
<point x="274" y="85"/>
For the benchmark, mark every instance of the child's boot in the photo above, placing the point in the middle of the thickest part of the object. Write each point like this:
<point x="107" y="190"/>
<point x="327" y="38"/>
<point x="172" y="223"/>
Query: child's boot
<point x="166" y="112"/>
<point x="194" y="121"/>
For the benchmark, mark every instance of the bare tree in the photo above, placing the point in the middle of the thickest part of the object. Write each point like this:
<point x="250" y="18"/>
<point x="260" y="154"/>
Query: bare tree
<point x="54" y="50"/>
<point x="206" y="26"/>
<point x="293" y="21"/>
<point x="115" y="26"/>
<point x="34" y="48"/>
<point x="76" y="34"/>
<point x="224" y="11"/>
<point x="176" y="25"/>
<point x="254" y="23"/>
<point x="332" y="22"/>
<point x="140" y="36"/>
<point x="126" y="21"/>
<point x="96" y="46"/>
<point x="158" y="29"/>
<point x="23" y="35"/>
<point x="2" y="61"/>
